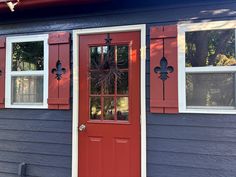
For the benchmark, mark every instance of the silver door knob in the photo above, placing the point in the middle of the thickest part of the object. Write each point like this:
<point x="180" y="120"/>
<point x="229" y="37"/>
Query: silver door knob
<point x="82" y="127"/>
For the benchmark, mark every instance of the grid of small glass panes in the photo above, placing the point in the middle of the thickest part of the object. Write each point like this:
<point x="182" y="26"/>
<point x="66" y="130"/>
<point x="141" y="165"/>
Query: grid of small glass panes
<point x="109" y="101"/>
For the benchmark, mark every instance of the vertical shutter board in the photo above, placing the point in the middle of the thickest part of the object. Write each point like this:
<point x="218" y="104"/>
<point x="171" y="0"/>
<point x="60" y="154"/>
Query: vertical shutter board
<point x="59" y="38"/>
<point x="64" y="83"/>
<point x="156" y="32"/>
<point x="2" y="68"/>
<point x="53" y="92"/>
<point x="156" y="89"/>
<point x="171" y="84"/>
<point x="167" y="101"/>
<point x="170" y="31"/>
<point x="59" y="91"/>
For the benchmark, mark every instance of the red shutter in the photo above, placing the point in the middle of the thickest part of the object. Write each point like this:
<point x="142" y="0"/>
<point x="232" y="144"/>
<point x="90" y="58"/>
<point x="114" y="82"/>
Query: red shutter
<point x="163" y="94"/>
<point x="59" y="90"/>
<point x="2" y="70"/>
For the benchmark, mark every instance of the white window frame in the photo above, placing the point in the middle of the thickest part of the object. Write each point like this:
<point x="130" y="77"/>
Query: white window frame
<point x="10" y="73"/>
<point x="188" y="27"/>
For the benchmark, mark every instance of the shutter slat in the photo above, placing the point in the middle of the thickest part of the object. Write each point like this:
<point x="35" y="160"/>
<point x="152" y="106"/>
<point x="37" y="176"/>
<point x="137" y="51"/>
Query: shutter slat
<point x="64" y="84"/>
<point x="163" y="97"/>
<point x="59" y="90"/>
<point x="53" y="83"/>
<point x="2" y="68"/>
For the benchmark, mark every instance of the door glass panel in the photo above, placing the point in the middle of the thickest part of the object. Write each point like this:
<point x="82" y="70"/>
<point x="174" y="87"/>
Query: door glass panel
<point x="95" y="57"/>
<point x="109" y="97"/>
<point x="122" y="83"/>
<point x="109" y="109"/>
<point x="109" y="86"/>
<point x="122" y="108"/>
<point x="110" y="56"/>
<point x="122" y="57"/>
<point x="95" y="108"/>
<point x="95" y="87"/>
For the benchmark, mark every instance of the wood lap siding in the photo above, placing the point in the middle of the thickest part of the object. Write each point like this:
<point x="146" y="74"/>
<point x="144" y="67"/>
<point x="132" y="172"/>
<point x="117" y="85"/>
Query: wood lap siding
<point x="40" y="138"/>
<point x="196" y="145"/>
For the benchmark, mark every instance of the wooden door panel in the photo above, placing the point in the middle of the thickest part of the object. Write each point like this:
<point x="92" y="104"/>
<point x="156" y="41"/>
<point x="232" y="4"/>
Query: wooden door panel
<point x="94" y="154"/>
<point x="110" y="145"/>
<point x="122" y="163"/>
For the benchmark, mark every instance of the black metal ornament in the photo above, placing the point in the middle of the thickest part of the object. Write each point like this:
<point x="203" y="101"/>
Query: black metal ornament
<point x="108" y="40"/>
<point x="106" y="70"/>
<point x="59" y="70"/>
<point x="164" y="69"/>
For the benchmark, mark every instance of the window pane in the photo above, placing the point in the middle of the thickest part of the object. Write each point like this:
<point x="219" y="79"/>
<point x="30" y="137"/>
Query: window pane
<point x="122" y="84"/>
<point x="111" y="56"/>
<point x="122" y="57"/>
<point x="95" y="86"/>
<point x="95" y="57"/>
<point x="109" y="109"/>
<point x="109" y="85"/>
<point x="210" y="89"/>
<point x="122" y="108"/>
<point x="27" y="89"/>
<point x="27" y="56"/>
<point x="95" y="108"/>
<point x="210" y="48"/>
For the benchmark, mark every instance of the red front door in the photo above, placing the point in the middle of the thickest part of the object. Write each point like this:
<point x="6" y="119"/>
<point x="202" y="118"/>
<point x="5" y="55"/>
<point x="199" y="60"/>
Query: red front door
<point x="109" y="105"/>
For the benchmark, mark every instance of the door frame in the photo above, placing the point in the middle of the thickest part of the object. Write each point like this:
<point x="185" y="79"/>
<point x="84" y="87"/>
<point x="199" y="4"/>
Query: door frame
<point x="75" y="136"/>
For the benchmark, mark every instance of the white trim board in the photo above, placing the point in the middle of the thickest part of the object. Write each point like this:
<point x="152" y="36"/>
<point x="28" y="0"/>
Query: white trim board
<point x="76" y="33"/>
<point x="9" y="72"/>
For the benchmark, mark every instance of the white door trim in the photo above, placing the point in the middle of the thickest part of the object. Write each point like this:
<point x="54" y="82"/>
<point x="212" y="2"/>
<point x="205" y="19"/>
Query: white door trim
<point x="76" y="33"/>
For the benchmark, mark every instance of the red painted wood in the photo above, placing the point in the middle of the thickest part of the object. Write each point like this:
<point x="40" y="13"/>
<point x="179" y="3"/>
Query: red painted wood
<point x="2" y="68"/>
<point x="163" y="32"/>
<point x="59" y="38"/>
<point x="64" y="83"/>
<point x="156" y="90"/>
<point x="60" y="101"/>
<point x="163" y="100"/>
<point x="59" y="91"/>
<point x="110" y="149"/>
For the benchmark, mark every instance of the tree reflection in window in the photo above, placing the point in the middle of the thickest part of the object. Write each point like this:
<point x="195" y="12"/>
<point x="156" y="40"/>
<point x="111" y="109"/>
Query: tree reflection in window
<point x="109" y="101"/>
<point x="212" y="48"/>
<point x="27" y="56"/>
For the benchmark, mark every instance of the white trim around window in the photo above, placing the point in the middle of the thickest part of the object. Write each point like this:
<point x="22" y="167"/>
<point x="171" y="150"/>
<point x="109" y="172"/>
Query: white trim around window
<point x="182" y="70"/>
<point x="10" y="73"/>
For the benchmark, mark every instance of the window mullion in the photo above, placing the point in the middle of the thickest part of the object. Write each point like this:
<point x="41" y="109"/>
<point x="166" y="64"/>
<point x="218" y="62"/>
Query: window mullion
<point x="27" y="73"/>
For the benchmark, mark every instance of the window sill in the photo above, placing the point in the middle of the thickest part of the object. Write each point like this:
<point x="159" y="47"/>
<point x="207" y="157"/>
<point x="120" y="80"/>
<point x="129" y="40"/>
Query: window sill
<point x="208" y="111"/>
<point x="27" y="106"/>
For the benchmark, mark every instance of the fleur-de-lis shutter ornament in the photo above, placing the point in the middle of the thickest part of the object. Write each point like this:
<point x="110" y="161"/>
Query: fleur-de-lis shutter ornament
<point x="163" y="70"/>
<point x="58" y="70"/>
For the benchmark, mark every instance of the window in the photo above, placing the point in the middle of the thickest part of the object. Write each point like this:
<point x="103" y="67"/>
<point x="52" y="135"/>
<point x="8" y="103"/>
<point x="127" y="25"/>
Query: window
<point x="109" y="99"/>
<point x="207" y="67"/>
<point x="27" y="71"/>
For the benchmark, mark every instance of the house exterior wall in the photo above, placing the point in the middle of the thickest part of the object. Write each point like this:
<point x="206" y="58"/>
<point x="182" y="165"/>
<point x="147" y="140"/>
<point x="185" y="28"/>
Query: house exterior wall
<point x="178" y="145"/>
<point x="40" y="138"/>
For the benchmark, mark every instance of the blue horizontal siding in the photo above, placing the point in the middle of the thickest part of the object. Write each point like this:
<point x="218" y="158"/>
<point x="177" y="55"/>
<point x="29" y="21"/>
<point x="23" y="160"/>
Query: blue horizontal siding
<point x="180" y="171"/>
<point x="40" y="138"/>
